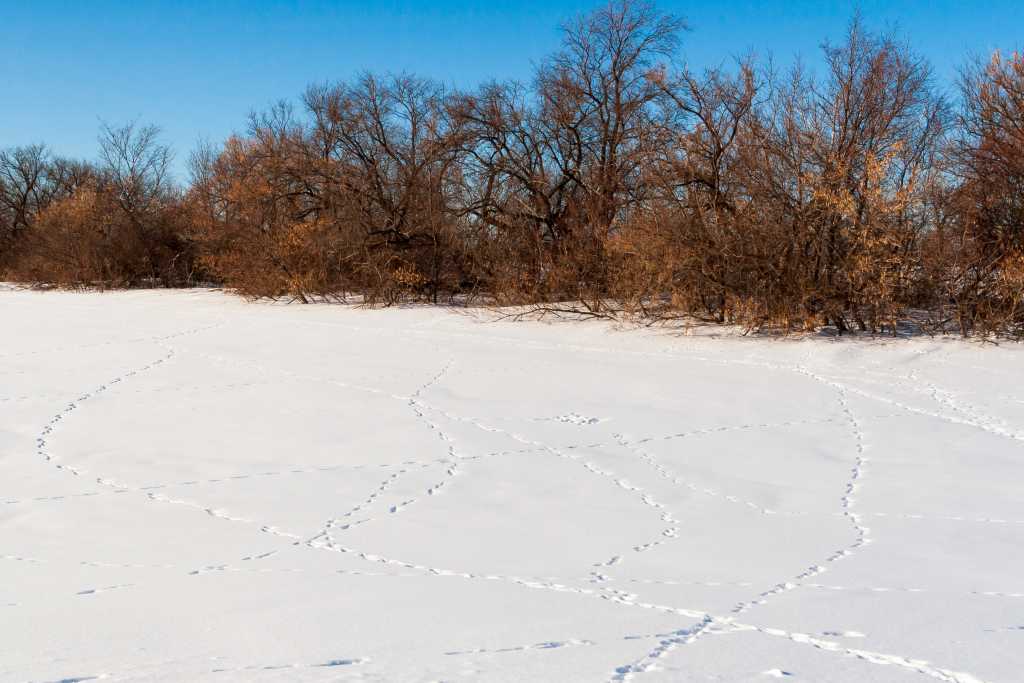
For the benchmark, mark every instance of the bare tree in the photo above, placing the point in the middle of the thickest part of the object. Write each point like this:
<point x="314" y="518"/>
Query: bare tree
<point x="24" y="186"/>
<point x="551" y="173"/>
<point x="599" y="89"/>
<point x="137" y="164"/>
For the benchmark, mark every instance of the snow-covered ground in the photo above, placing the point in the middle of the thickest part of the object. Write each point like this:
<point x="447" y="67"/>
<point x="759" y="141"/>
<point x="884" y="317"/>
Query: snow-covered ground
<point x="197" y="488"/>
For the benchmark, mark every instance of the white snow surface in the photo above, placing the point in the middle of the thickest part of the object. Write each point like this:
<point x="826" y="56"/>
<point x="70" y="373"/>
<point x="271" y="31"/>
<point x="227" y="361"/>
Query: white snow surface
<point x="197" y="488"/>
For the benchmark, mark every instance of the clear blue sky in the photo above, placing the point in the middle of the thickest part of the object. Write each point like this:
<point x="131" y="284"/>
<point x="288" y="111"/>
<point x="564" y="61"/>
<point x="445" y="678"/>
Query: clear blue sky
<point x="197" y="68"/>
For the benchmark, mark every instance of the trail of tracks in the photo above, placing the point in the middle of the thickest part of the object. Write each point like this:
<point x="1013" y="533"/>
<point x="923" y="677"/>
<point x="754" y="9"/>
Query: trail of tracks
<point x="453" y="461"/>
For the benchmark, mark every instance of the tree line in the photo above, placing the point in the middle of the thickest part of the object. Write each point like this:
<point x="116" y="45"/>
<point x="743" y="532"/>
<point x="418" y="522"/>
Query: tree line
<point x="619" y="182"/>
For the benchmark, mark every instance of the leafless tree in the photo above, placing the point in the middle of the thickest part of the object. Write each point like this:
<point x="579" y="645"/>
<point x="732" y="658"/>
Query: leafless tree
<point x="617" y="181"/>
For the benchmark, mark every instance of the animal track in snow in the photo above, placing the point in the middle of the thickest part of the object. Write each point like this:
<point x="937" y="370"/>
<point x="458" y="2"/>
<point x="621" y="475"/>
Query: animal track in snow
<point x="666" y="645"/>
<point x="846" y="504"/>
<point x="260" y="556"/>
<point x="43" y="440"/>
<point x="573" y="419"/>
<point x="665" y="473"/>
<point x="904" y="589"/>
<point x="94" y="591"/>
<point x="692" y="633"/>
<point x="547" y="645"/>
<point x="918" y="665"/>
<point x="346" y="661"/>
<point x="668" y="534"/>
<point x="322" y="543"/>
